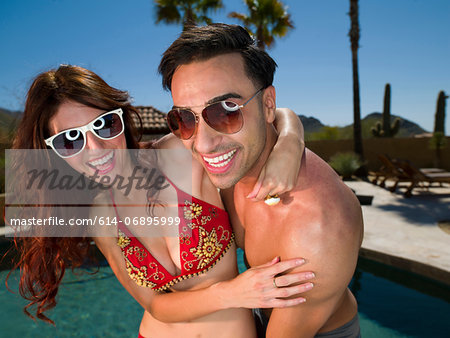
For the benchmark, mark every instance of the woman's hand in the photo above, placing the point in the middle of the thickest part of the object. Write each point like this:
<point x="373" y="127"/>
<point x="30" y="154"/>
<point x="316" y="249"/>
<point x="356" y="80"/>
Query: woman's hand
<point x="261" y="287"/>
<point x="281" y="169"/>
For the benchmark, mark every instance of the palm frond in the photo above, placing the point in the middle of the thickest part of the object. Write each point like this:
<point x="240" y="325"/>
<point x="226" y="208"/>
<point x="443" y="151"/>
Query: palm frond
<point x="269" y="18"/>
<point x="167" y="12"/>
<point x="206" y="6"/>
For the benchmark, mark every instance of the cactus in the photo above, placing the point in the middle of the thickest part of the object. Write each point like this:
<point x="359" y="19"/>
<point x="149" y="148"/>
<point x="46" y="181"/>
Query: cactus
<point x="395" y="127"/>
<point x="388" y="130"/>
<point x="377" y="131"/>
<point x="439" y="118"/>
<point x="438" y="140"/>
<point x="387" y="110"/>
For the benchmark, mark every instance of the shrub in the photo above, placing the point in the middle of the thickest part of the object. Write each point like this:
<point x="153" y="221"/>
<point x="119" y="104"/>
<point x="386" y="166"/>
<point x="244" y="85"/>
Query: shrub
<point x="326" y="133"/>
<point x="345" y="164"/>
<point x="437" y="141"/>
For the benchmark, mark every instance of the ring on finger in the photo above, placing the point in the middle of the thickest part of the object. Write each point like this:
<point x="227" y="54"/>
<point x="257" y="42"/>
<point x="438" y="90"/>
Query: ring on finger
<point x="272" y="199"/>
<point x="274" y="283"/>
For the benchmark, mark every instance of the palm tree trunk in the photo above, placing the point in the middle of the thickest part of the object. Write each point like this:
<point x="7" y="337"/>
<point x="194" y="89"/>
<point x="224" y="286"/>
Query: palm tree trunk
<point x="354" y="40"/>
<point x="357" y="134"/>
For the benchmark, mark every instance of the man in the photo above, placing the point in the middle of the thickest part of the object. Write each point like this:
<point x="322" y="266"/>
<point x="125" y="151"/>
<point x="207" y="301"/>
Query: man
<point x="320" y="219"/>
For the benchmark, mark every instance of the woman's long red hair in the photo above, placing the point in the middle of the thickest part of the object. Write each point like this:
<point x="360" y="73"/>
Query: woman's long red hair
<point x="43" y="260"/>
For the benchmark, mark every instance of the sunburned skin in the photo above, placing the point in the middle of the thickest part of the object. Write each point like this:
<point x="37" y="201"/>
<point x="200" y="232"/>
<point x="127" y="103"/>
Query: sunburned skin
<point x="330" y="242"/>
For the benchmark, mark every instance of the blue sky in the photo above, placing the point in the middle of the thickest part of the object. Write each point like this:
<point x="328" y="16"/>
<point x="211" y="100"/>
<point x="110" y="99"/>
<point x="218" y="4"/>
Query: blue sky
<point x="403" y="42"/>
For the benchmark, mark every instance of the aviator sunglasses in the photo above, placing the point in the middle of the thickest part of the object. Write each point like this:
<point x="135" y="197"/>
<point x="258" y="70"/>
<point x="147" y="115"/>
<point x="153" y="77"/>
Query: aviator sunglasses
<point x="223" y="116"/>
<point x="70" y="142"/>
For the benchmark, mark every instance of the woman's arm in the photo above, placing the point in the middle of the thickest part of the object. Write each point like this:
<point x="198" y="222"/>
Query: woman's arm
<point x="251" y="289"/>
<point x="283" y="165"/>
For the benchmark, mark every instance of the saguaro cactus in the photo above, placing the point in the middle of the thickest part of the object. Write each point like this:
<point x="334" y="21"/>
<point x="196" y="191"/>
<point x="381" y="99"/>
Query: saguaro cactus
<point x="439" y="117"/>
<point x="438" y="140"/>
<point x="386" y="130"/>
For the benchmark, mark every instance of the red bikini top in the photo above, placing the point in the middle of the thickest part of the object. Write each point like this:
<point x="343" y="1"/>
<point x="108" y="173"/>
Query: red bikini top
<point x="205" y="235"/>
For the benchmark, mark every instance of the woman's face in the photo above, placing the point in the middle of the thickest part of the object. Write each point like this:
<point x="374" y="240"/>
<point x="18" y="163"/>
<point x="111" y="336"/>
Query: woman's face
<point x="98" y="156"/>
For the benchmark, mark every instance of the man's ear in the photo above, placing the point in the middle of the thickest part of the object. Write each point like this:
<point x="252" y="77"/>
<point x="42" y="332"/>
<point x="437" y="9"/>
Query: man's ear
<point x="269" y="103"/>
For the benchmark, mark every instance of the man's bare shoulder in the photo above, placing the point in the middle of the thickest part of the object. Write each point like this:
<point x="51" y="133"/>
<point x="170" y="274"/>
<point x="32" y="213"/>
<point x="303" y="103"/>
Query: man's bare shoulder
<point x="322" y="214"/>
<point x="323" y="197"/>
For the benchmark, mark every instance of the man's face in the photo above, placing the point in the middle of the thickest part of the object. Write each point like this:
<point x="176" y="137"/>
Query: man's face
<point x="226" y="157"/>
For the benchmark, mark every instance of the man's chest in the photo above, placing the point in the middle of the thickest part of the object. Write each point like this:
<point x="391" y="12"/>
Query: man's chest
<point x="260" y="236"/>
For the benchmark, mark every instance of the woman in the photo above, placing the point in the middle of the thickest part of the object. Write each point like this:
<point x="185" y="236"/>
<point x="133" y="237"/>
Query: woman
<point x="72" y="109"/>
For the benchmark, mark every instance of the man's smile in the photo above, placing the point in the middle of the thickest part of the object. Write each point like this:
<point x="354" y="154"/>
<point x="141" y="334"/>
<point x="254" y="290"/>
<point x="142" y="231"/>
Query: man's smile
<point x="219" y="163"/>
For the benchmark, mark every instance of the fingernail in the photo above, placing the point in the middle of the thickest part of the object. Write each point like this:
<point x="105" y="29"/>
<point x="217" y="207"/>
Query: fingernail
<point x="310" y="275"/>
<point x="251" y="195"/>
<point x="302" y="300"/>
<point x="309" y="286"/>
<point x="276" y="259"/>
<point x="300" y="261"/>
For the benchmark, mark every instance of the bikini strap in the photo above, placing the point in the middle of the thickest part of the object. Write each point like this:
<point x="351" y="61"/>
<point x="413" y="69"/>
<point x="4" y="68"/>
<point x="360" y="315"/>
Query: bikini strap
<point x="172" y="184"/>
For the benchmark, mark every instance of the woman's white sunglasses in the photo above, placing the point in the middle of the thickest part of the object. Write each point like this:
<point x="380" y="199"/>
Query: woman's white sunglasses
<point x="70" y="142"/>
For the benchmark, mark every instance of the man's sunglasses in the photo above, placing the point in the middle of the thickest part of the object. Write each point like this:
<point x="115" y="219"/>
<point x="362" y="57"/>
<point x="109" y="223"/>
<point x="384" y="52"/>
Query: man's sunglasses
<point x="223" y="116"/>
<point x="70" y="142"/>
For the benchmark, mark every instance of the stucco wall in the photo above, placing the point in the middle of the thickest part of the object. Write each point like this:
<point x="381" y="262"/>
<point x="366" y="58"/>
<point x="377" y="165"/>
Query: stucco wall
<point x="415" y="150"/>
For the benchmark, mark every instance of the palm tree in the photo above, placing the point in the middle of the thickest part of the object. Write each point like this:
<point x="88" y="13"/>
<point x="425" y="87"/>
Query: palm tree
<point x="187" y="12"/>
<point x="269" y="18"/>
<point x="354" y="40"/>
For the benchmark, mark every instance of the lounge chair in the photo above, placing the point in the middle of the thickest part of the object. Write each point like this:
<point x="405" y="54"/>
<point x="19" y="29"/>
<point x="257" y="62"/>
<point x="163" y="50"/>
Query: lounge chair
<point x="420" y="176"/>
<point x="390" y="170"/>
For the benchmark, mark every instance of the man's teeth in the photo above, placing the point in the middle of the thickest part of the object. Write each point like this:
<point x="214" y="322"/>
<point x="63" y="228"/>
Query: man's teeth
<point x="102" y="160"/>
<point x="214" y="161"/>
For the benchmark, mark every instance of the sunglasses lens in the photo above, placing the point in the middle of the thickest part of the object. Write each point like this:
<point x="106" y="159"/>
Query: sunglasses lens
<point x="224" y="116"/>
<point x="108" y="126"/>
<point x="181" y="123"/>
<point x="69" y="143"/>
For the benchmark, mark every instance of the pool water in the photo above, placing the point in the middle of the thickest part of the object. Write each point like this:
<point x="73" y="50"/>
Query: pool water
<point x="88" y="306"/>
<point x="391" y="309"/>
<point x="97" y="306"/>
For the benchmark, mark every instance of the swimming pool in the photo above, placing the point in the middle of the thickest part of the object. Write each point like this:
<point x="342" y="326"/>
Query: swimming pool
<point x="97" y="305"/>
<point x="395" y="303"/>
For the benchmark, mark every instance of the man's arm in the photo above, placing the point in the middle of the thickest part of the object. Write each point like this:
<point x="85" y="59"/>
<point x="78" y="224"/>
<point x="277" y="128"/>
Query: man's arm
<point x="330" y="244"/>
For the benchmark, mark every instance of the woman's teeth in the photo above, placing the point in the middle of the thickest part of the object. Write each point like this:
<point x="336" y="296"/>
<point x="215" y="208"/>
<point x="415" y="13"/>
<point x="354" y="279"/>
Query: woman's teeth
<point x="103" y="160"/>
<point x="221" y="160"/>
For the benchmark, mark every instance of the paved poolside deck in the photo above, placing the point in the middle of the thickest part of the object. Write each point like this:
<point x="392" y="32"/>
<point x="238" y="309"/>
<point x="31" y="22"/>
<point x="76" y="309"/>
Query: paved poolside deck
<point x="405" y="232"/>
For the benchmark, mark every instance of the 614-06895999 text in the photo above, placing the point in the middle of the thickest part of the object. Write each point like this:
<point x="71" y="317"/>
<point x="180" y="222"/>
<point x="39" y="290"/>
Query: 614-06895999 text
<point x="149" y="220"/>
<point x="102" y="221"/>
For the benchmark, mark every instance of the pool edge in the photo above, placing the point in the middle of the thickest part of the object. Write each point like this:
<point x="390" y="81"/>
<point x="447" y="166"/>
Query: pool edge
<point x="406" y="264"/>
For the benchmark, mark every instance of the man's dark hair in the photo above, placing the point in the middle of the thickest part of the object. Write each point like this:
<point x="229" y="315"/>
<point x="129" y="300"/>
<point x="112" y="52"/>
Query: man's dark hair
<point x="201" y="43"/>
